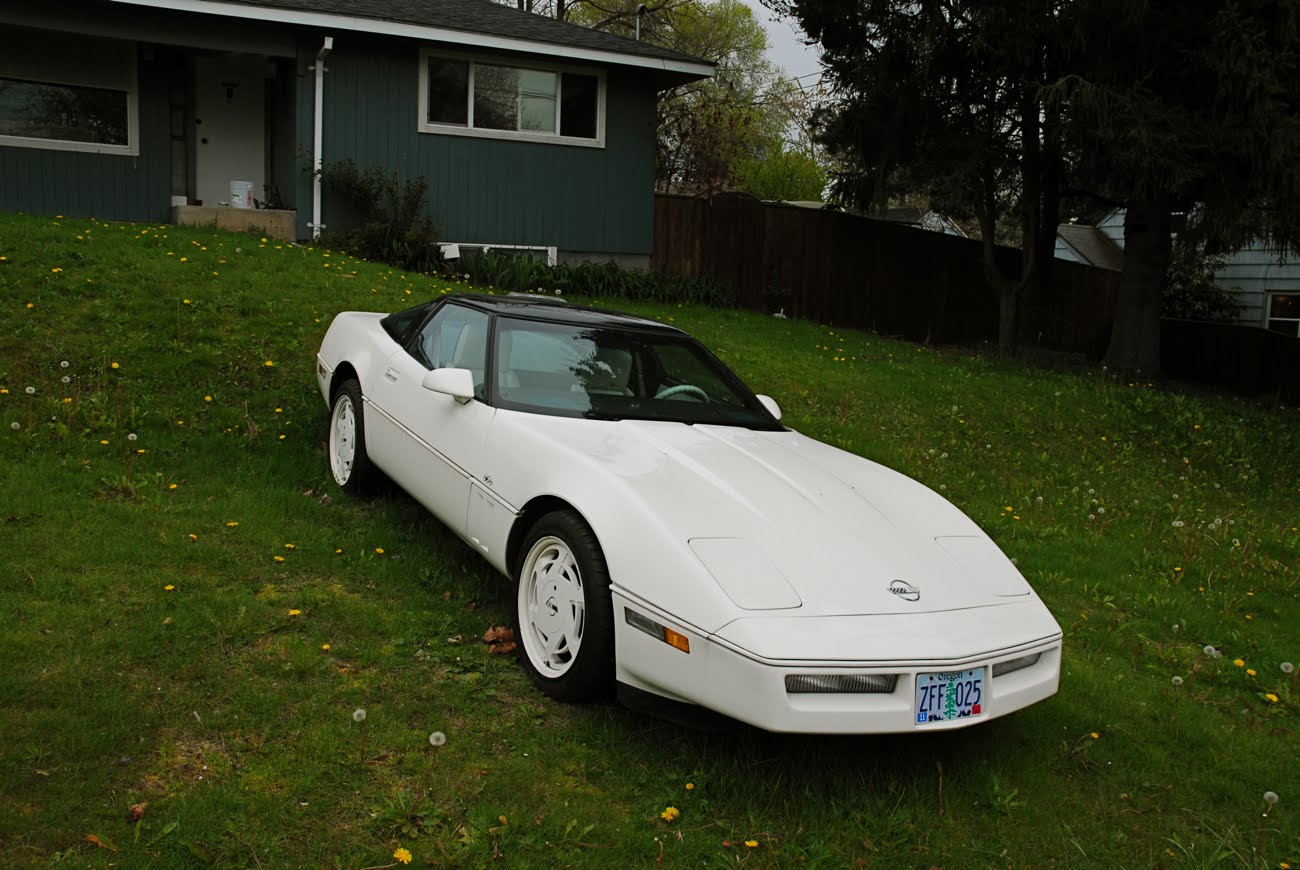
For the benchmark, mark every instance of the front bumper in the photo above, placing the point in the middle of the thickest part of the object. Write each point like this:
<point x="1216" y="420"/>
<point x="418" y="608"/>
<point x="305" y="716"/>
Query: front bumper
<point x="721" y="677"/>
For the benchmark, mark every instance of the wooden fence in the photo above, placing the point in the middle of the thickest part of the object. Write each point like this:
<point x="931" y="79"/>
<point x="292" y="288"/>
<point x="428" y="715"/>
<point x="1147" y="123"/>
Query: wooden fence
<point x="919" y="285"/>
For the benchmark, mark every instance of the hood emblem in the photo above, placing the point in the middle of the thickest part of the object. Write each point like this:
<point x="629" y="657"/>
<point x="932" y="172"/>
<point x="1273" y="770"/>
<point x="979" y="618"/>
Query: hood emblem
<point x="905" y="590"/>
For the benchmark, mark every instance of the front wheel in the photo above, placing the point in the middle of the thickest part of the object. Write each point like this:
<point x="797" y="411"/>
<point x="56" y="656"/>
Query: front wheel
<point x="564" y="616"/>
<point x="349" y="462"/>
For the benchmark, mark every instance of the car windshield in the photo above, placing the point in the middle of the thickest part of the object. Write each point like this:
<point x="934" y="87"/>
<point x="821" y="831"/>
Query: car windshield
<point x="618" y="374"/>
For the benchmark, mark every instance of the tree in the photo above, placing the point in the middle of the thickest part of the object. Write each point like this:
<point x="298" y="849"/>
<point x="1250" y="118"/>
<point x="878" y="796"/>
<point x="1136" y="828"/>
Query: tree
<point x="944" y="98"/>
<point x="1183" y="107"/>
<point x="1158" y="106"/>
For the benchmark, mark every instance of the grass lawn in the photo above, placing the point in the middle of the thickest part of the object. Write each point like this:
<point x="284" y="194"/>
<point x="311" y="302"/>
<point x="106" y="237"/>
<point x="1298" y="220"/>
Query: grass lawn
<point x="190" y="611"/>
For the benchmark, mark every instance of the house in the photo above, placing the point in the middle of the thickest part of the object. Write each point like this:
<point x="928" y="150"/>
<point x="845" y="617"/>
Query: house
<point x="1266" y="287"/>
<point x="531" y="132"/>
<point x="908" y="215"/>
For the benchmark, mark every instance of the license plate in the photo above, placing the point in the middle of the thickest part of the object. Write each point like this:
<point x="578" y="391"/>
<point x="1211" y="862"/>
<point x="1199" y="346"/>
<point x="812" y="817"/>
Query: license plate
<point x="941" y="697"/>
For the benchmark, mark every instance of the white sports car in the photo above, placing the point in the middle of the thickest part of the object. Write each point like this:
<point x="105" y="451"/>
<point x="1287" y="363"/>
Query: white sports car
<point x="667" y="535"/>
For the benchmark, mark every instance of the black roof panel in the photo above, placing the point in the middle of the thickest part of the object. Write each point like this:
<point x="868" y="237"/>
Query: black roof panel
<point x="557" y="311"/>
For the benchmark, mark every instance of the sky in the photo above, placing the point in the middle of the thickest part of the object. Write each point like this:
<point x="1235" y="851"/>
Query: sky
<point x="784" y="47"/>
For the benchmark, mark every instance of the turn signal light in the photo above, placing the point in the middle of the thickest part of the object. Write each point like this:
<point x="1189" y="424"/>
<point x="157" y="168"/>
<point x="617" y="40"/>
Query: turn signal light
<point x="674" y="639"/>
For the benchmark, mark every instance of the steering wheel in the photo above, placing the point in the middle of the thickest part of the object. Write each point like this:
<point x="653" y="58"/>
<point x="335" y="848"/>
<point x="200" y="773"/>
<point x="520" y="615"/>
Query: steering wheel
<point x="683" y="388"/>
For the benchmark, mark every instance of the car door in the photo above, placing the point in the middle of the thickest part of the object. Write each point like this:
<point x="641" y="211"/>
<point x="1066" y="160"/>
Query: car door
<point x="433" y="444"/>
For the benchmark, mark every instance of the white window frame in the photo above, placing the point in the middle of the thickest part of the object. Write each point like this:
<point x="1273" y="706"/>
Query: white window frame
<point x="423" y="124"/>
<point x="1268" y="312"/>
<point x="107" y="82"/>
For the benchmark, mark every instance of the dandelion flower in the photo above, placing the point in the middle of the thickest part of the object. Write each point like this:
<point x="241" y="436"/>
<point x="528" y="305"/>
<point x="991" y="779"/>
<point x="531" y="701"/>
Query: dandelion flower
<point x="670" y="814"/>
<point x="751" y="844"/>
<point x="402" y="856"/>
<point x="1241" y="663"/>
<point x="437" y="738"/>
<point x="269" y="364"/>
<point x="168" y="588"/>
<point x="171" y="486"/>
<point x="15" y="425"/>
<point x="31" y="391"/>
<point x="114" y="366"/>
<point x="231" y="524"/>
<point x="1250" y="672"/>
<point x="1177" y="681"/>
<point x="358" y="715"/>
<point x="291" y="546"/>
<point x="192" y="536"/>
<point x="278" y="558"/>
<point x="1095" y="736"/>
<point x="690" y="786"/>
<point x="379" y="550"/>
<point x="325" y="647"/>
<point x="1287" y="667"/>
<point x="207" y="398"/>
<point x="1272" y="699"/>
<point x="63" y="364"/>
<point x="1270" y="798"/>
<point x="295" y="612"/>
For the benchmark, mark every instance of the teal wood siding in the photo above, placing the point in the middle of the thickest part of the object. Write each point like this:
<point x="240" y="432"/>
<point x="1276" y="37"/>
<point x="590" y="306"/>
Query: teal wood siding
<point x="597" y="200"/>
<point x="106" y="186"/>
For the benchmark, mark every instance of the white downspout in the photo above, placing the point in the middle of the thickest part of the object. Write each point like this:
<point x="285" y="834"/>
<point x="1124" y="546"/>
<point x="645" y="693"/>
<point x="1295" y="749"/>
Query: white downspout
<point x="318" y="134"/>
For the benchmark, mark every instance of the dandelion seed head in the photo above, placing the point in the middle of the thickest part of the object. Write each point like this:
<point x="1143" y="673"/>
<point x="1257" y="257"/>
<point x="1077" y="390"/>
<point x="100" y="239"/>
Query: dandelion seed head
<point x="358" y="715"/>
<point x="1271" y="798"/>
<point x="15" y="425"/>
<point x="63" y="364"/>
<point x="1287" y="667"/>
<point x="31" y="391"/>
<point x="131" y="437"/>
<point x="1210" y="651"/>
<point x="437" y="738"/>
<point x="1177" y="680"/>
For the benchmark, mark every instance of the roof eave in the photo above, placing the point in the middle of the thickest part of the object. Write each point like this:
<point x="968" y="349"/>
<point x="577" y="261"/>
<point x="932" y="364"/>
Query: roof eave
<point x="672" y="72"/>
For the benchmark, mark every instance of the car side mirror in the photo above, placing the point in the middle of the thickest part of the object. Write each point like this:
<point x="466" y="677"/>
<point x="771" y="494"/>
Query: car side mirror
<point x="770" y="404"/>
<point x="457" y="383"/>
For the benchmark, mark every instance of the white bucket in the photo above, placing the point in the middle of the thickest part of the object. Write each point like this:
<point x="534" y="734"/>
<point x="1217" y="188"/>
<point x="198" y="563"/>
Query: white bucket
<point x="241" y="194"/>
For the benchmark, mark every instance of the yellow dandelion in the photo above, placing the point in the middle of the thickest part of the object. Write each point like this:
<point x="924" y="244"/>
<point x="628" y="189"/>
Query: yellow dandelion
<point x="1241" y="663"/>
<point x="1272" y="699"/>
<point x="1250" y="671"/>
<point x="185" y="259"/>
<point x="207" y="398"/>
<point x="291" y="546"/>
<point x="1095" y="736"/>
<point x="113" y="365"/>
<point x="338" y="551"/>
<point x="103" y="442"/>
<point x="670" y="814"/>
<point x="168" y="588"/>
<point x="690" y="786"/>
<point x="171" y="486"/>
<point x="279" y="558"/>
<point x="295" y="612"/>
<point x="278" y="410"/>
<point x="192" y="537"/>
<point x="751" y="844"/>
<point x="325" y="647"/>
<point x="268" y="364"/>
<point x="402" y="856"/>
<point x="379" y="550"/>
<point x="185" y="302"/>
<point x="232" y="524"/>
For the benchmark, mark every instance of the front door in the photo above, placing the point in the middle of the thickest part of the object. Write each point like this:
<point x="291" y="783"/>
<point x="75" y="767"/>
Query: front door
<point x="229" y="124"/>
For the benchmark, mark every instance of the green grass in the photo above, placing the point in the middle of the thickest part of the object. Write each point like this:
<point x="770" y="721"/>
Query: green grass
<point x="223" y="712"/>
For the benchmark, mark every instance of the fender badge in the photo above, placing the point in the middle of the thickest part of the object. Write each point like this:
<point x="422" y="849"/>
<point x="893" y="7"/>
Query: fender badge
<point x="905" y="590"/>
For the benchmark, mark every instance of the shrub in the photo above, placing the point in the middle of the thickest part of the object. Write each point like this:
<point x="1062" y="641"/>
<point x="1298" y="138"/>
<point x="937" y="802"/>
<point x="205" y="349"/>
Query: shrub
<point x="385" y="217"/>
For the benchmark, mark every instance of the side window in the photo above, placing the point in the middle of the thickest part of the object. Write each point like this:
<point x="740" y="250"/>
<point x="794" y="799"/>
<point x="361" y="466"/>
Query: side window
<point x="456" y="337"/>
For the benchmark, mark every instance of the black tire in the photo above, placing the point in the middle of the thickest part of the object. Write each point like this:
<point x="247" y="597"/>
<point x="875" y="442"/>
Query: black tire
<point x="569" y="656"/>
<point x="355" y="475"/>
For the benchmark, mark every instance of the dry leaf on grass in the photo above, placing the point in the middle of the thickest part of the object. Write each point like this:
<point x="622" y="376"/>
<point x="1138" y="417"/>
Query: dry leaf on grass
<point x="500" y="640"/>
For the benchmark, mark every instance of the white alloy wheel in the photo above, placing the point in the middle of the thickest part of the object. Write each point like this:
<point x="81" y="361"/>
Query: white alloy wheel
<point x="343" y="439"/>
<point x="552" y="608"/>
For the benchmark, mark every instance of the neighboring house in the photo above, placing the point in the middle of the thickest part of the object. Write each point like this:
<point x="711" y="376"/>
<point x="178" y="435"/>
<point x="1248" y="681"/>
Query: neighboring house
<point x="1267" y="290"/>
<point x="531" y="132"/>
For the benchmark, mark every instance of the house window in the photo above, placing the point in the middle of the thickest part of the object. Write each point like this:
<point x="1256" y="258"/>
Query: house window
<point x="82" y="98"/>
<point x="1284" y="313"/>
<point x="538" y="102"/>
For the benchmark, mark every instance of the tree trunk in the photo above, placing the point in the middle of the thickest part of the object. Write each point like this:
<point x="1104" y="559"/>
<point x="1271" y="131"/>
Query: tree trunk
<point x="1135" y="335"/>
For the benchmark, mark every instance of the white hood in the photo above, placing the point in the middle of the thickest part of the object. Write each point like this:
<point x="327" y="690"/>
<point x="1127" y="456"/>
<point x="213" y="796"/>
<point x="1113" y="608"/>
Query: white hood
<point x="834" y="528"/>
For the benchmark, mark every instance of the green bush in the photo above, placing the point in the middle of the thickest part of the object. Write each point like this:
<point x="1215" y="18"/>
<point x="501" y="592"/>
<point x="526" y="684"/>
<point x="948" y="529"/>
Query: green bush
<point x="521" y="273"/>
<point x="385" y="219"/>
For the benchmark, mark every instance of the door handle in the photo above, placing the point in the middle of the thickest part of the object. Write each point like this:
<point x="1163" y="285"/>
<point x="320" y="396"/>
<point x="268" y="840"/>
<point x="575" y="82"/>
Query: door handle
<point x="391" y="375"/>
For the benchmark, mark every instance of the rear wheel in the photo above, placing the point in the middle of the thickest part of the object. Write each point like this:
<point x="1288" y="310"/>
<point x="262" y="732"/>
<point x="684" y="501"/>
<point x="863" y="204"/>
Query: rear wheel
<point x="347" y="441"/>
<point x="564" y="616"/>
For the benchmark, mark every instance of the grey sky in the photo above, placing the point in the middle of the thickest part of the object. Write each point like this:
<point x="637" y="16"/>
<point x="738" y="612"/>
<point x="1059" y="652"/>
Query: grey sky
<point x="784" y="46"/>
